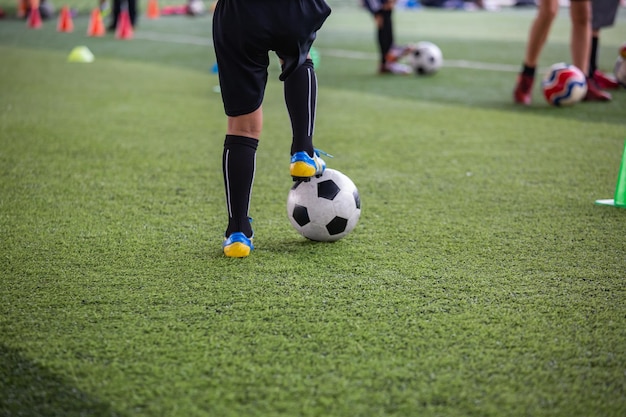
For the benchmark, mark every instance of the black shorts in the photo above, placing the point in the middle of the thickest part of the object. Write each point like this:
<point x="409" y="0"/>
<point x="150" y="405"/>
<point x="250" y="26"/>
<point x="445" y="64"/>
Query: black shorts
<point x="244" y="31"/>
<point x="603" y="13"/>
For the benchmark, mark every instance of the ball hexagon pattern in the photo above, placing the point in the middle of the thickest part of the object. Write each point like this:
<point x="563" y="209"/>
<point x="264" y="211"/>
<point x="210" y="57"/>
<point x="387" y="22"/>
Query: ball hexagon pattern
<point x="326" y="208"/>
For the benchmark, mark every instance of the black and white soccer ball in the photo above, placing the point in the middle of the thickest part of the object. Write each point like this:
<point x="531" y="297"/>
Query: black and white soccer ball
<point x="196" y="7"/>
<point x="425" y="58"/>
<point x="326" y="208"/>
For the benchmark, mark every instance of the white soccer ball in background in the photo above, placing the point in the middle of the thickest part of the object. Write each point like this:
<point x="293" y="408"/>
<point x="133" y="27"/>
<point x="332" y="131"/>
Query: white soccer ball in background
<point x="196" y="7"/>
<point x="620" y="71"/>
<point x="564" y="85"/>
<point x="324" y="208"/>
<point x="425" y="58"/>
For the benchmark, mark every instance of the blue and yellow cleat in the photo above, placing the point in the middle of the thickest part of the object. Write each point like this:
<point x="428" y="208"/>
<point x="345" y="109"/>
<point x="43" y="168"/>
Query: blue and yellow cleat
<point x="303" y="166"/>
<point x="237" y="245"/>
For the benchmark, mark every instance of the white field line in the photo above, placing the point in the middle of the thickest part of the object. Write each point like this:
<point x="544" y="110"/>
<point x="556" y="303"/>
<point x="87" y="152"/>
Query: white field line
<point x="481" y="66"/>
<point x="337" y="53"/>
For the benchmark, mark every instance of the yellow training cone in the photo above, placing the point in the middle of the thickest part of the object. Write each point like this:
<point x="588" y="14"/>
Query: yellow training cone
<point x="80" y="54"/>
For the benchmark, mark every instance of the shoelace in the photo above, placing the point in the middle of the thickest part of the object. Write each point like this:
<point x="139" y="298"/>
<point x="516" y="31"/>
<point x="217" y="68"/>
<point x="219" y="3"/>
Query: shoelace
<point x="319" y="151"/>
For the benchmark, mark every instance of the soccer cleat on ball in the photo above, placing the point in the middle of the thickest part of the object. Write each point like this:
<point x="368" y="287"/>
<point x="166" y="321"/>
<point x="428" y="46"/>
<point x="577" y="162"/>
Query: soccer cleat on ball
<point x="303" y="166"/>
<point x="237" y="245"/>
<point x="425" y="58"/>
<point x="325" y="208"/>
<point x="564" y="85"/>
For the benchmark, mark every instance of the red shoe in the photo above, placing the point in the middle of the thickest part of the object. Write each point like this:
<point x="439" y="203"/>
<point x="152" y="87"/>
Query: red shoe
<point x="395" y="68"/>
<point x="396" y="52"/>
<point x="603" y="81"/>
<point x="523" y="89"/>
<point x="594" y="93"/>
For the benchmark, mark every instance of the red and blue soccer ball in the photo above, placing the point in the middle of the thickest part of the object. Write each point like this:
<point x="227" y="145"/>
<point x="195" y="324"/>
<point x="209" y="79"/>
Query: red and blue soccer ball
<point x="324" y="208"/>
<point x="564" y="85"/>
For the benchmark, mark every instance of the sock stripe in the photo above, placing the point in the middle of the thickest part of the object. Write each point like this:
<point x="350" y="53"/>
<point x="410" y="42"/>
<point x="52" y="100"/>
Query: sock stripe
<point x="310" y="98"/>
<point x="227" y="179"/>
<point x="252" y="182"/>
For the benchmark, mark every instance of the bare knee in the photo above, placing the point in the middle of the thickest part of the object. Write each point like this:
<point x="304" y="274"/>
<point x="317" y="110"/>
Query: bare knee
<point x="548" y="10"/>
<point x="249" y="125"/>
<point x="580" y="13"/>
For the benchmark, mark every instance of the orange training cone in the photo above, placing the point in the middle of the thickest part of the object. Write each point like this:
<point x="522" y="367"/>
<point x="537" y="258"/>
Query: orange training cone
<point x="124" y="27"/>
<point x="65" y="23"/>
<point x="96" y="25"/>
<point x="34" y="17"/>
<point x="153" y="9"/>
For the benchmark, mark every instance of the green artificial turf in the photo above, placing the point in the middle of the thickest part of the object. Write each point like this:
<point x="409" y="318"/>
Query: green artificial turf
<point x="481" y="280"/>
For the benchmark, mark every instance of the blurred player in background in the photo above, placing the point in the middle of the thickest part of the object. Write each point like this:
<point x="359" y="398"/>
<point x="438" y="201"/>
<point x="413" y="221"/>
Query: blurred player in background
<point x="382" y="11"/>
<point x="118" y="6"/>
<point x="580" y="40"/>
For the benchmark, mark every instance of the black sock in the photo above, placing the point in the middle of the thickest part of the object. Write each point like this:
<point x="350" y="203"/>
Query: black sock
<point x="301" y="100"/>
<point x="238" y="166"/>
<point x="385" y="34"/>
<point x="530" y="71"/>
<point x="593" y="56"/>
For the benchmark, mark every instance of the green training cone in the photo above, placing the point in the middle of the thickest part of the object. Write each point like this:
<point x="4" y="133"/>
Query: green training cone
<point x="619" y="199"/>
